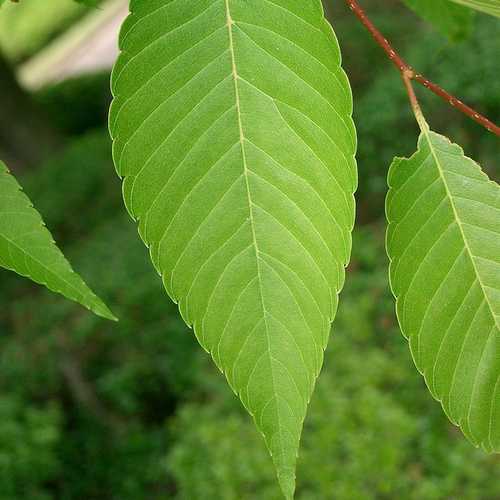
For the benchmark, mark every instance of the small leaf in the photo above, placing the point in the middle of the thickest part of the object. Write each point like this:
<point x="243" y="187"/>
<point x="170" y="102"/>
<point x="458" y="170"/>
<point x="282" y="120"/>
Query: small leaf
<point x="27" y="247"/>
<point x="444" y="244"/>
<point x="232" y="130"/>
<point x="491" y="7"/>
<point x="453" y="21"/>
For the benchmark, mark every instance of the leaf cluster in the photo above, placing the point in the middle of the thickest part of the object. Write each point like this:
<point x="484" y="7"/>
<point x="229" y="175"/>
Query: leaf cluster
<point x="233" y="135"/>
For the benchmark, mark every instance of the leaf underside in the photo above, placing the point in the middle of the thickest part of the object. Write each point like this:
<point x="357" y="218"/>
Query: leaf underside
<point x="444" y="244"/>
<point x="491" y="7"/>
<point x="233" y="134"/>
<point x="27" y="247"/>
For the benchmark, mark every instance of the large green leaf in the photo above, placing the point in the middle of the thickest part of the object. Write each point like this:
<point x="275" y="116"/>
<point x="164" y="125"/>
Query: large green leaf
<point x="453" y="21"/>
<point x="491" y="7"/>
<point x="232" y="130"/>
<point x="444" y="245"/>
<point x="27" y="247"/>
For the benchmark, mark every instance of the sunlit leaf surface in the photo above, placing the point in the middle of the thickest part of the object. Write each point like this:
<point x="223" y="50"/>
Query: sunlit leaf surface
<point x="233" y="134"/>
<point x="444" y="244"/>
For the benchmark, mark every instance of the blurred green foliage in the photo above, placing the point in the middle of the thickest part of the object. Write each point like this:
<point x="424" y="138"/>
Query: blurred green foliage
<point x="88" y="96"/>
<point x="137" y="411"/>
<point x="29" y="435"/>
<point x="26" y="26"/>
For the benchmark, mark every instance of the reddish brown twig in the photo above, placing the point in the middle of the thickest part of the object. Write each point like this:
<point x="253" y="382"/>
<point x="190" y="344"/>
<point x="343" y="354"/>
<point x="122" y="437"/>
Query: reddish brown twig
<point x="409" y="74"/>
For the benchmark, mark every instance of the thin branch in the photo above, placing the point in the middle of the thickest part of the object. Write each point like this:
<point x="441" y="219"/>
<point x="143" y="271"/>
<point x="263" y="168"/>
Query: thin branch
<point x="379" y="38"/>
<point x="457" y="103"/>
<point x="408" y="73"/>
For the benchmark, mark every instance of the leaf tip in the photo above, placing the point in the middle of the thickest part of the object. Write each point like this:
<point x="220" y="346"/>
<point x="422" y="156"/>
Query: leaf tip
<point x="102" y="310"/>
<point x="286" y="480"/>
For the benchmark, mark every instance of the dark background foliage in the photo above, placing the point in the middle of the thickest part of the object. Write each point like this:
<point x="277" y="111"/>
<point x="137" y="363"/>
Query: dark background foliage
<point x="135" y="410"/>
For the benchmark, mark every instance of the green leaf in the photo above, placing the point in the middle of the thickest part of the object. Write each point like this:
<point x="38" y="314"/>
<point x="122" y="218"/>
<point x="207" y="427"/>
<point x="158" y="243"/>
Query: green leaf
<point x="232" y="130"/>
<point x="453" y="21"/>
<point x="444" y="244"/>
<point x="491" y="7"/>
<point x="27" y="247"/>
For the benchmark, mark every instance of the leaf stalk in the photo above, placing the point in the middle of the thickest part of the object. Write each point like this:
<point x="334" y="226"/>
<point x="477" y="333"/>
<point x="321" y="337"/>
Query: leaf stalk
<point x="407" y="75"/>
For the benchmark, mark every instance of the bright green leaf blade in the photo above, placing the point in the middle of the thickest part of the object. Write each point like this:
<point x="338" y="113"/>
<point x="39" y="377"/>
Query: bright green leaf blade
<point x="453" y="21"/>
<point x="491" y="7"/>
<point x="444" y="244"/>
<point x="27" y="247"/>
<point x="232" y="130"/>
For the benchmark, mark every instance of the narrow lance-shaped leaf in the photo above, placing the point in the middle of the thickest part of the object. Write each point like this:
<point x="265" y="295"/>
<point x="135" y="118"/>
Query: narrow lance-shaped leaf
<point x="444" y="245"/>
<point x="491" y="7"/>
<point x="27" y="247"/>
<point x="232" y="130"/>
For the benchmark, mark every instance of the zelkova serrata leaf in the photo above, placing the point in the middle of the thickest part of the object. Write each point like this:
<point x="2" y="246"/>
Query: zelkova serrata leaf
<point x="27" y="247"/>
<point x="444" y="244"/>
<point x="233" y="134"/>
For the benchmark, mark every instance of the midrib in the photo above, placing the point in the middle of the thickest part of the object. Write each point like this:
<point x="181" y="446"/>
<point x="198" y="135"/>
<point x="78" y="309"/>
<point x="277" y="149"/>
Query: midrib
<point x="230" y="23"/>
<point x="460" y="226"/>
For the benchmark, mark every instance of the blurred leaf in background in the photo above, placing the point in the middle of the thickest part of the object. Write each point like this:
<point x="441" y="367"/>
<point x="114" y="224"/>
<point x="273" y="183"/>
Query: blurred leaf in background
<point x="452" y="20"/>
<point x="491" y="7"/>
<point x="28" y="25"/>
